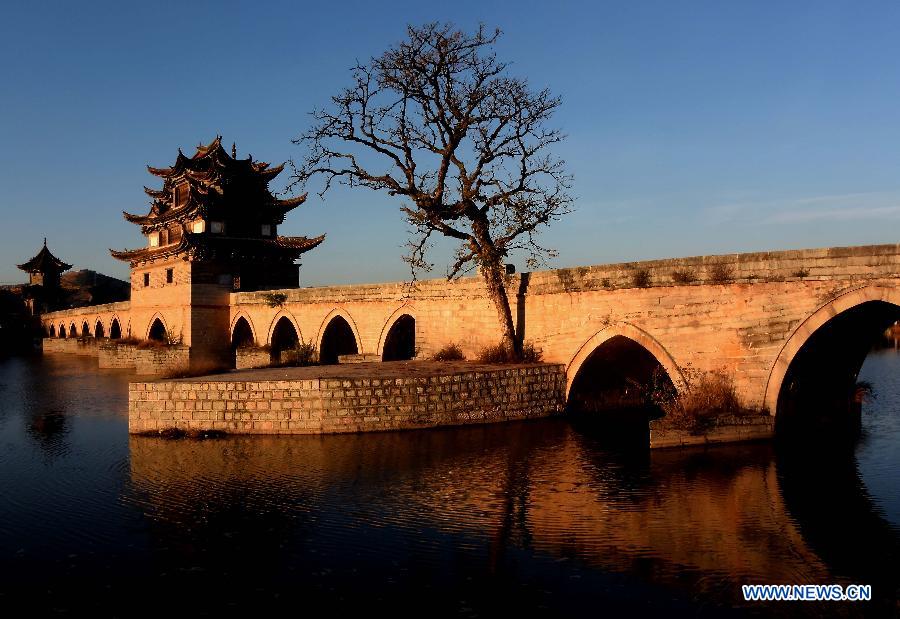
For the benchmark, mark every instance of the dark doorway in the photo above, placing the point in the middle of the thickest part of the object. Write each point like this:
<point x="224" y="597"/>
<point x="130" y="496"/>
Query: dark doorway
<point x="337" y="340"/>
<point x="115" y="331"/>
<point x="85" y="329"/>
<point x="284" y="337"/>
<point x="98" y="330"/>
<point x="242" y="336"/>
<point x="52" y="331"/>
<point x="158" y="331"/>
<point x="400" y="343"/>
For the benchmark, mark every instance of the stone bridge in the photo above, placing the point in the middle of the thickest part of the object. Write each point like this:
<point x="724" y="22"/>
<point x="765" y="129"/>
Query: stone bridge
<point x="775" y="323"/>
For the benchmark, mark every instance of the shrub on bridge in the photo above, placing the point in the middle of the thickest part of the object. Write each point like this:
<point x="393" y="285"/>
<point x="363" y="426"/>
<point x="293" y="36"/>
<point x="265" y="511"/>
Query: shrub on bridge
<point x="706" y="397"/>
<point x="498" y="353"/>
<point x="302" y="355"/>
<point x="641" y="278"/>
<point x="721" y="274"/>
<point x="683" y="276"/>
<point x="450" y="352"/>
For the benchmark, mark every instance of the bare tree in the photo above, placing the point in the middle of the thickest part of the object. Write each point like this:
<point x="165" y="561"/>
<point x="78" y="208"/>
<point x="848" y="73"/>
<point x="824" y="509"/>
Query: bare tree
<point x="436" y="121"/>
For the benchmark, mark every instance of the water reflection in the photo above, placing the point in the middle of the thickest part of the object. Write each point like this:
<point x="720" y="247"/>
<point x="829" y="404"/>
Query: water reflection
<point x="698" y="522"/>
<point x="536" y="517"/>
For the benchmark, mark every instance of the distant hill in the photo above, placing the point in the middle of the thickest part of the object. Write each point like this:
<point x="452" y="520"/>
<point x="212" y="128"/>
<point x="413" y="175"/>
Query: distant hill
<point x="88" y="287"/>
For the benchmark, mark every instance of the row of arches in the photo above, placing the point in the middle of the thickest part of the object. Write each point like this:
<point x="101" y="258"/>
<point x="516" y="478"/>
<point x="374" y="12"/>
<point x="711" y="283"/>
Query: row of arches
<point x="99" y="331"/>
<point x="812" y="385"/>
<point x="337" y="337"/>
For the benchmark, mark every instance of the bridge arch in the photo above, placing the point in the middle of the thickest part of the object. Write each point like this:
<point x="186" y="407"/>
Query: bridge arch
<point x="157" y="329"/>
<point x="636" y="342"/>
<point x="242" y="331"/>
<point x="73" y="330"/>
<point x="52" y="331"/>
<point x="397" y="341"/>
<point x="338" y="335"/>
<point x="62" y="330"/>
<point x="274" y="324"/>
<point x="115" y="328"/>
<point x="284" y="334"/>
<point x="99" y="331"/>
<point x="834" y="340"/>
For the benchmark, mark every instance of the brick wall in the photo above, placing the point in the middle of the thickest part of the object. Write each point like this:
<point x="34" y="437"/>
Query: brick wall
<point x="329" y="405"/>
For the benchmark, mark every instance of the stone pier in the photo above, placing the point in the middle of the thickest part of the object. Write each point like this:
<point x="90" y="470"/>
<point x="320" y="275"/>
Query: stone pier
<point x="363" y="397"/>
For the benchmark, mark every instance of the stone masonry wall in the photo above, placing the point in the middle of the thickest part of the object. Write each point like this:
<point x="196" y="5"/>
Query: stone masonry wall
<point x="247" y="358"/>
<point x="117" y="356"/>
<point x="155" y="361"/>
<point x="333" y="405"/>
<point x="73" y="346"/>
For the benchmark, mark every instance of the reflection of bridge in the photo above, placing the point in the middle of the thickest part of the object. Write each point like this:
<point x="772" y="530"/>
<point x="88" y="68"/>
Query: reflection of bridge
<point x="775" y="321"/>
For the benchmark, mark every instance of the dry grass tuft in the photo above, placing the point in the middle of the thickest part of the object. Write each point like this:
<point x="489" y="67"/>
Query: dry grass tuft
<point x="450" y="352"/>
<point x="498" y="353"/>
<point x="708" y="396"/>
<point x="721" y="274"/>
<point x="683" y="276"/>
<point x="641" y="278"/>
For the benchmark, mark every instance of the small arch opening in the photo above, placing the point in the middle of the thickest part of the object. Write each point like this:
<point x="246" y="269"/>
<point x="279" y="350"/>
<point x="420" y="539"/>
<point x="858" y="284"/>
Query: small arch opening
<point x="115" y="331"/>
<point x="400" y="343"/>
<point x="85" y="329"/>
<point x="99" y="331"/>
<point x="62" y="331"/>
<point x="52" y="331"/>
<point x="158" y="331"/>
<point x="337" y="340"/>
<point x="242" y="335"/>
<point x="284" y="339"/>
<point x="73" y="330"/>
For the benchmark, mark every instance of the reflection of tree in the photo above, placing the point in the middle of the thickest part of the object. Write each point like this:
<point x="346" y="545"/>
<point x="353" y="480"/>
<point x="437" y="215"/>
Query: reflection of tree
<point x="49" y="429"/>
<point x="468" y="514"/>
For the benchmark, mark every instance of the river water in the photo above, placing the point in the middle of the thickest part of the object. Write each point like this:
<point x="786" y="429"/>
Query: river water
<point x="526" y="518"/>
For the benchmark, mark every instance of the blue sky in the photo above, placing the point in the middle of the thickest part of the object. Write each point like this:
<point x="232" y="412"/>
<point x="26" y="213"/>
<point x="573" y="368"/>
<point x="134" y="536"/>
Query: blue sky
<point x="694" y="127"/>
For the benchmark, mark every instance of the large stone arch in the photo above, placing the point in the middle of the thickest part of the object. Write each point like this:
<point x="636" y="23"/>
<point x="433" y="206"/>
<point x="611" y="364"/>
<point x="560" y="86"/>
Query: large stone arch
<point x="338" y="311"/>
<point x="271" y="330"/>
<point x="633" y="333"/>
<point x="246" y="317"/>
<point x="810" y="325"/>
<point x="404" y="310"/>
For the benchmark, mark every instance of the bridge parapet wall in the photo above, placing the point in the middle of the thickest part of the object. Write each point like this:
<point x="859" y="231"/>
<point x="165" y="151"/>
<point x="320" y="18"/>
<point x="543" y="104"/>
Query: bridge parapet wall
<point x="835" y="263"/>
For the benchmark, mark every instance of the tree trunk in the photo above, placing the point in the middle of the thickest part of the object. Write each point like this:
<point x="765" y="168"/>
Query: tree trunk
<point x="494" y="273"/>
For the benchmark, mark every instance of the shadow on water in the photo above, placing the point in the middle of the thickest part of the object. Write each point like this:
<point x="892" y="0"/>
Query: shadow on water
<point x="824" y="493"/>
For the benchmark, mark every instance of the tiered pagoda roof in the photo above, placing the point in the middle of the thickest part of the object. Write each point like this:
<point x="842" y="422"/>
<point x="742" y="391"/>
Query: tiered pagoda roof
<point x="44" y="262"/>
<point x="213" y="185"/>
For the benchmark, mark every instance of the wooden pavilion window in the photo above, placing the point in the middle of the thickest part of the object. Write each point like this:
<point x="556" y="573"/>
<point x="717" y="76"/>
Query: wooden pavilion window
<point x="182" y="190"/>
